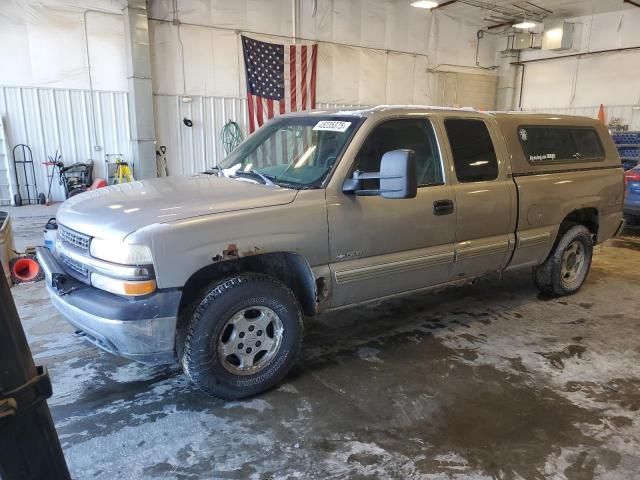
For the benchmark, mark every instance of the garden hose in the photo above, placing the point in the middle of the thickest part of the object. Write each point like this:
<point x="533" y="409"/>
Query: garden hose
<point x="231" y="136"/>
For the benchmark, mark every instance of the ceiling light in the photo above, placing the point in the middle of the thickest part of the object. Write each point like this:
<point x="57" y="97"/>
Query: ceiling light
<point x="525" y="25"/>
<point x="424" y="4"/>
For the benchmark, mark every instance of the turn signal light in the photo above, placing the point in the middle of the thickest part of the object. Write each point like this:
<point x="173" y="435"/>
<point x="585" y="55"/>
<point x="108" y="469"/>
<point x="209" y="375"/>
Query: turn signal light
<point x="123" y="287"/>
<point x="139" y="288"/>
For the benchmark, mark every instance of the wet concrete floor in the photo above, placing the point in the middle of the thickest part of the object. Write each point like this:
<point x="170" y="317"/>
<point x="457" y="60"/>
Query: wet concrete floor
<point x="489" y="380"/>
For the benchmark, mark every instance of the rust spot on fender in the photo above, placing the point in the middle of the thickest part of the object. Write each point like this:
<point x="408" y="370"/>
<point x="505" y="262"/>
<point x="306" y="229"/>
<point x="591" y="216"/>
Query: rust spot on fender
<point x="232" y="253"/>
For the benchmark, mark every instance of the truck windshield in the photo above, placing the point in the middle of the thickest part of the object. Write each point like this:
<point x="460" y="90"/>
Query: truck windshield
<point x="295" y="151"/>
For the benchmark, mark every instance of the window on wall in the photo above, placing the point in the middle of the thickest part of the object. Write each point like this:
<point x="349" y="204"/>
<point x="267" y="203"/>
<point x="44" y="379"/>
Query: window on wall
<point x="560" y="144"/>
<point x="415" y="134"/>
<point x="474" y="156"/>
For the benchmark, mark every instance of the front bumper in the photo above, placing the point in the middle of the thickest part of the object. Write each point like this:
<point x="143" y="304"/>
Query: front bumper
<point x="142" y="329"/>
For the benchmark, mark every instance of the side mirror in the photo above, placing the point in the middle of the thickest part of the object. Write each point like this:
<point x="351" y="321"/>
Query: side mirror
<point x="397" y="177"/>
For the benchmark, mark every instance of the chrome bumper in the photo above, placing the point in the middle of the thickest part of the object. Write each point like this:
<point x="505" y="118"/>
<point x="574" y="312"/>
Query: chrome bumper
<point x="147" y="340"/>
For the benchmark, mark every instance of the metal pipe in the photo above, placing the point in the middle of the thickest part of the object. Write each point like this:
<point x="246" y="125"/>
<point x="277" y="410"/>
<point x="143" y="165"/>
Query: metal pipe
<point x="444" y="4"/>
<point x="29" y="444"/>
<point x="595" y="52"/>
<point x="499" y="25"/>
<point x="521" y="85"/>
<point x="304" y="39"/>
<point x="294" y="19"/>
<point x="550" y="12"/>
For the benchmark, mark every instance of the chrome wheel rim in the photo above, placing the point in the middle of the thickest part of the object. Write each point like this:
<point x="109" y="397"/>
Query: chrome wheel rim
<point x="573" y="260"/>
<point x="249" y="340"/>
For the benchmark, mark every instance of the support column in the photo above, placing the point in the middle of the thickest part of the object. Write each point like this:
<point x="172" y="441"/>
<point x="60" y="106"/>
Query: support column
<point x="143" y="134"/>
<point x="508" y="93"/>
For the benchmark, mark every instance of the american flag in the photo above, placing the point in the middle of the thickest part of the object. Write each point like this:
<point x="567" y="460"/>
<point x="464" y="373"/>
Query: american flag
<point x="280" y="79"/>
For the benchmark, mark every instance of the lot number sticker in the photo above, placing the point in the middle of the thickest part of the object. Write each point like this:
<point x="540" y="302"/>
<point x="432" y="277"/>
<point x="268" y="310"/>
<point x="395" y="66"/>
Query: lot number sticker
<point x="332" y="126"/>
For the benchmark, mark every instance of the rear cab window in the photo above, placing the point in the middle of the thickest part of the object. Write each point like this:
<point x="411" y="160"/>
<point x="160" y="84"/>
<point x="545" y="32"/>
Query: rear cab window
<point x="474" y="156"/>
<point x="550" y="144"/>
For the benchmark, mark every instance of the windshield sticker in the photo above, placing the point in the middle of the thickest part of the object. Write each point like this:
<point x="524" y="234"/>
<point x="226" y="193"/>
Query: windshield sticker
<point x="332" y="126"/>
<point x="538" y="158"/>
<point x="523" y="135"/>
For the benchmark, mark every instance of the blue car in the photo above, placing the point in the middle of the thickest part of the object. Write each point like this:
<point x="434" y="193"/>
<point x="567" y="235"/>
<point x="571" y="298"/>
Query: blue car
<point x="632" y="195"/>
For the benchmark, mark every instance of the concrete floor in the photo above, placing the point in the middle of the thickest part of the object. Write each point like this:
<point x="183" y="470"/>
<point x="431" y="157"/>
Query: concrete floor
<point x="484" y="381"/>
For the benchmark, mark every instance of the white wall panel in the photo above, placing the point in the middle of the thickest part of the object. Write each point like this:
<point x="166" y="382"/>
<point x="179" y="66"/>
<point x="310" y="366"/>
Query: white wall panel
<point x="400" y="79"/>
<point x="268" y="17"/>
<point x="50" y="119"/>
<point x="212" y="60"/>
<point x="549" y="84"/>
<point x="581" y="82"/>
<point x="609" y="79"/>
<point x="43" y="44"/>
<point x="384" y="24"/>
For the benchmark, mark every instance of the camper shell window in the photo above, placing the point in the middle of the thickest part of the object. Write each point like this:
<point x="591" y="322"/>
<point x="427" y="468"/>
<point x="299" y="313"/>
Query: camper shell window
<point x="543" y="144"/>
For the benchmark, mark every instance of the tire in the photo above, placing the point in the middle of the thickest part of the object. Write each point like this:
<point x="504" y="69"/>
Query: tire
<point x="42" y="199"/>
<point x="242" y="315"/>
<point x="568" y="264"/>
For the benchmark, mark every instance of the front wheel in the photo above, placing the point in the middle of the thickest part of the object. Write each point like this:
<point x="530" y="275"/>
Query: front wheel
<point x="243" y="337"/>
<point x="566" y="268"/>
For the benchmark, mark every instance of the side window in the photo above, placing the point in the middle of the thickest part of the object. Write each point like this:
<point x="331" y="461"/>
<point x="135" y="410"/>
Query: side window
<point x="588" y="143"/>
<point x="474" y="156"/>
<point x="559" y="144"/>
<point x="414" y="134"/>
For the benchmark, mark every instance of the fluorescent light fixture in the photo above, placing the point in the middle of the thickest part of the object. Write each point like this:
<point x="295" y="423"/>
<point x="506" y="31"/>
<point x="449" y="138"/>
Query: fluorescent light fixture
<point x="524" y="25"/>
<point x="424" y="4"/>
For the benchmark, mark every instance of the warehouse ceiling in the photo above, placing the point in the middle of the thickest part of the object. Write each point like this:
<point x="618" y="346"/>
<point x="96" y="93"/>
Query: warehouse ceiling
<point x="498" y="11"/>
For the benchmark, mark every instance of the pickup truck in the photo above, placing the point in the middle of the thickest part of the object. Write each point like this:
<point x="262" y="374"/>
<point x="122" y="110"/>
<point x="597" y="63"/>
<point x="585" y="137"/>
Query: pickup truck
<point x="326" y="210"/>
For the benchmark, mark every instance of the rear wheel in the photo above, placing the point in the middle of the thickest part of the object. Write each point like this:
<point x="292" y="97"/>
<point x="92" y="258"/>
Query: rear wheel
<point x="566" y="268"/>
<point x="243" y="336"/>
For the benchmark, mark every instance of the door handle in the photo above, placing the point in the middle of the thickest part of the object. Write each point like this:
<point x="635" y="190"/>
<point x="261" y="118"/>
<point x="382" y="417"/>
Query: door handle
<point x="443" y="207"/>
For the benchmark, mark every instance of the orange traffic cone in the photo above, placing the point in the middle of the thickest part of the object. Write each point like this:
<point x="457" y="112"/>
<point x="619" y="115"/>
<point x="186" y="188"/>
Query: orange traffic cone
<point x="601" y="115"/>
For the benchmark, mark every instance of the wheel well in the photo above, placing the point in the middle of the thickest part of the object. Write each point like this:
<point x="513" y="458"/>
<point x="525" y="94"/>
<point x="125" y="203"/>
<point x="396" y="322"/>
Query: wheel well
<point x="583" y="216"/>
<point x="290" y="268"/>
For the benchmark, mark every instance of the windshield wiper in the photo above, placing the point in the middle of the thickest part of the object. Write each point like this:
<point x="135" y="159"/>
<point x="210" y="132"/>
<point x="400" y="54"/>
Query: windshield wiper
<point x="266" y="180"/>
<point x="215" y="170"/>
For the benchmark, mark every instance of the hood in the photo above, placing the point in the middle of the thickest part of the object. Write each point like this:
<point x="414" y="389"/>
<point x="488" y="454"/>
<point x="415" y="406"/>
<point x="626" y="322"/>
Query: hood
<point x="118" y="210"/>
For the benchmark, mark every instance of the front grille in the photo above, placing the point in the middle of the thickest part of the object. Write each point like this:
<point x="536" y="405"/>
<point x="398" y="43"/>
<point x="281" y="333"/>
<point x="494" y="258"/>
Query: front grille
<point x="78" y="240"/>
<point x="75" y="266"/>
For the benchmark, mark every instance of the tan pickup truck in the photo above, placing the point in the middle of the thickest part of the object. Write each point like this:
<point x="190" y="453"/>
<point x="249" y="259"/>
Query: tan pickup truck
<point x="325" y="210"/>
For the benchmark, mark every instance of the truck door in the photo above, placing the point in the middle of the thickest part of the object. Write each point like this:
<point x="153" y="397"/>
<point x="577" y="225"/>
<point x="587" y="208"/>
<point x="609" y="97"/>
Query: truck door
<point x="381" y="246"/>
<point x="485" y="197"/>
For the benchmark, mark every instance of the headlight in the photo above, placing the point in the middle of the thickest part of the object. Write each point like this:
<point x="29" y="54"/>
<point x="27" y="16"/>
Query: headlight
<point x="123" y="287"/>
<point x="118" y="252"/>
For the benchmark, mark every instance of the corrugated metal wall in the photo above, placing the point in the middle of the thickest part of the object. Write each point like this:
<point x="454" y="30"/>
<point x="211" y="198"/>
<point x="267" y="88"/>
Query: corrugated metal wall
<point x="51" y="119"/>
<point x="194" y="149"/>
